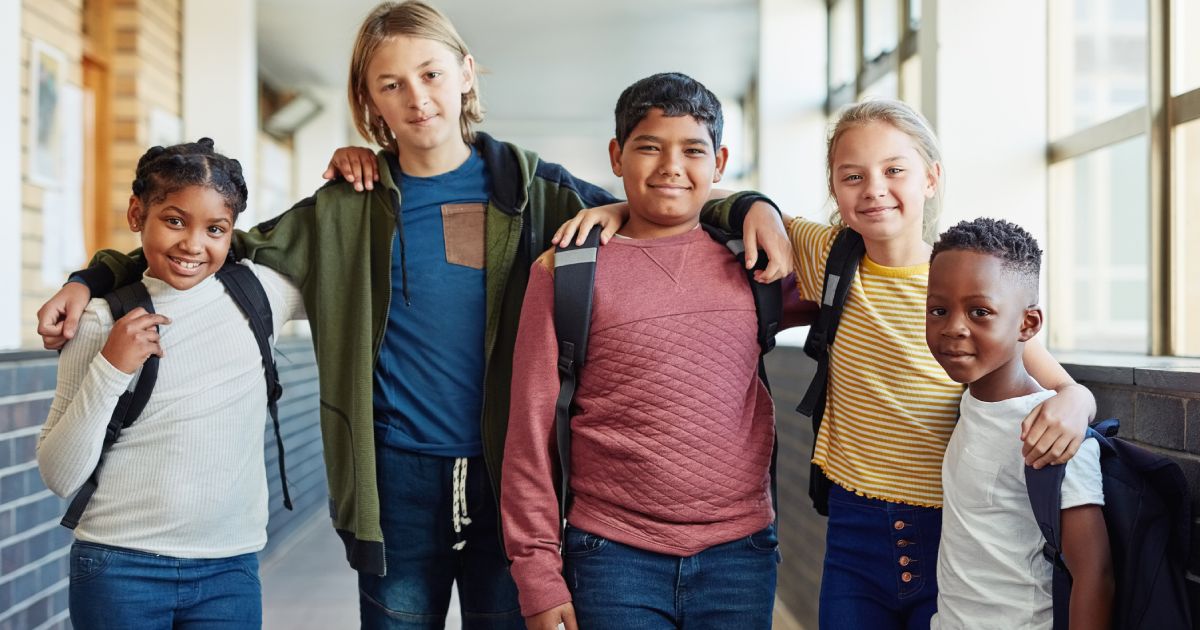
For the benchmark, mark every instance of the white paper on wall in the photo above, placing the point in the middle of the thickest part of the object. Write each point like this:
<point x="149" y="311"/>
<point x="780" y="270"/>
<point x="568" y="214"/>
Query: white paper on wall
<point x="62" y="208"/>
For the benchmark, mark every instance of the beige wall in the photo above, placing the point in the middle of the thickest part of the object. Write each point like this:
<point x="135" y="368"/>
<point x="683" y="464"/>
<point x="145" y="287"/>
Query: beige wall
<point x="145" y="75"/>
<point x="57" y="23"/>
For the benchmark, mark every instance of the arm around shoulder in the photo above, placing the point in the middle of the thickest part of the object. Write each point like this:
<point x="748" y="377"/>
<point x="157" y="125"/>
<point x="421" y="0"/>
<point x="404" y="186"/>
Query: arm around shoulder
<point x="88" y="387"/>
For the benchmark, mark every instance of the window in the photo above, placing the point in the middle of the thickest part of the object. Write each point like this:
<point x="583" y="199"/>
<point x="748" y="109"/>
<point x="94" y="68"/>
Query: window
<point x="1124" y="159"/>
<point x="873" y="51"/>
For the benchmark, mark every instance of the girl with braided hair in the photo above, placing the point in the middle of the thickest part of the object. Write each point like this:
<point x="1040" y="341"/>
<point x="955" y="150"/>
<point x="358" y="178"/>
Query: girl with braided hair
<point x="170" y="535"/>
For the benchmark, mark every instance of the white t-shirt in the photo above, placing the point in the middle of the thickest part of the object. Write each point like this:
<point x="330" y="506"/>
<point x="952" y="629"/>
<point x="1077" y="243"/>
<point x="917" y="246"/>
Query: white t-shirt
<point x="187" y="479"/>
<point x="991" y="572"/>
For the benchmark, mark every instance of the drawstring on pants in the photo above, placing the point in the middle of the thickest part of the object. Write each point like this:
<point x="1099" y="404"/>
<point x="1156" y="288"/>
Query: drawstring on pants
<point x="458" y="501"/>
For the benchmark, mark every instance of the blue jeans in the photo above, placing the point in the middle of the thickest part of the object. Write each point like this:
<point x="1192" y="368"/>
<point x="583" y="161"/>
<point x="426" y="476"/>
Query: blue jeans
<point x="880" y="564"/>
<point x="116" y="588"/>
<point x="618" y="587"/>
<point x="422" y="563"/>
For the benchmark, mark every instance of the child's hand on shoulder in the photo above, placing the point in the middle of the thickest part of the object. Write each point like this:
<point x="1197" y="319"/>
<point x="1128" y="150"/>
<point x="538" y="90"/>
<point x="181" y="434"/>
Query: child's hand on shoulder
<point x="133" y="339"/>
<point x="356" y="165"/>
<point x="1055" y="429"/>
<point x="610" y="217"/>
<point x="557" y="617"/>
<point x="763" y="229"/>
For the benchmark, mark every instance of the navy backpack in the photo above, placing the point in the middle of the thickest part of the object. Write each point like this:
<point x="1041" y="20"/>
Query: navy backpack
<point x="1148" y="516"/>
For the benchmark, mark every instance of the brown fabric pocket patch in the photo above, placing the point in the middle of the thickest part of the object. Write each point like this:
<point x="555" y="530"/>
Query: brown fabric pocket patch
<point x="463" y="226"/>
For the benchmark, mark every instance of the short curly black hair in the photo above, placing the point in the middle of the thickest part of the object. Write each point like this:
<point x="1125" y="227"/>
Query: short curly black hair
<point x="676" y="94"/>
<point x="1016" y="248"/>
<point x="165" y="170"/>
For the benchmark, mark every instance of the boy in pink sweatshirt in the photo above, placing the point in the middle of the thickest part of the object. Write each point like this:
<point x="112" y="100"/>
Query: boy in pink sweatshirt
<point x="671" y="524"/>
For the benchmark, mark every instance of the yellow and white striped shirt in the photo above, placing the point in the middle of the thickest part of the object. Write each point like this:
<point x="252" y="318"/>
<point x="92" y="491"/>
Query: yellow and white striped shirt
<point x="890" y="408"/>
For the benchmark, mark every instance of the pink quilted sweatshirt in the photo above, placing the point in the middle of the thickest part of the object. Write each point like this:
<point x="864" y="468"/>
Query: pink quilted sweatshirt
<point x="672" y="441"/>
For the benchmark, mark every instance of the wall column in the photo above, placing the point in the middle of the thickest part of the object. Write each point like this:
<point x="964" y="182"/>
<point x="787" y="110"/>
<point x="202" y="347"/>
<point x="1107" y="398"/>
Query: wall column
<point x="220" y="86"/>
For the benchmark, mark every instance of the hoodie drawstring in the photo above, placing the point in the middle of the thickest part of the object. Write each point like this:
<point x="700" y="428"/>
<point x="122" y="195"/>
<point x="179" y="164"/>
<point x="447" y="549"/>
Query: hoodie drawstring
<point x="458" y="501"/>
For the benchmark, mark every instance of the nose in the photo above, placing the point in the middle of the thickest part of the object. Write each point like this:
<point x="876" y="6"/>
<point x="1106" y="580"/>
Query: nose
<point x="876" y="187"/>
<point x="955" y="326"/>
<point x="670" y="164"/>
<point x="418" y="96"/>
<point x="191" y="242"/>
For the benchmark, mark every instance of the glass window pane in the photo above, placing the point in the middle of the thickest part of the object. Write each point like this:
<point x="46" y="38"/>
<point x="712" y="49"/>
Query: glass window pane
<point x="1185" y="56"/>
<point x="843" y="59"/>
<point x="914" y="14"/>
<point x="881" y="24"/>
<point x="1100" y="255"/>
<point x="910" y="81"/>
<point x="1098" y="61"/>
<point x="886" y="86"/>
<point x="1186" y="215"/>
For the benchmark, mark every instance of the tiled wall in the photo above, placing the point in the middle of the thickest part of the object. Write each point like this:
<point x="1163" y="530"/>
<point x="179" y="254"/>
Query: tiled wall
<point x="34" y="548"/>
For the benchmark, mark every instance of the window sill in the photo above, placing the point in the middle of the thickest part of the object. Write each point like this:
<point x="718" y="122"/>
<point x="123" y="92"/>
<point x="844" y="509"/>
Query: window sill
<point x="1171" y="373"/>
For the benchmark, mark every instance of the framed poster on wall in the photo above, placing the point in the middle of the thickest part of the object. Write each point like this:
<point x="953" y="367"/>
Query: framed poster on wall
<point x="47" y="74"/>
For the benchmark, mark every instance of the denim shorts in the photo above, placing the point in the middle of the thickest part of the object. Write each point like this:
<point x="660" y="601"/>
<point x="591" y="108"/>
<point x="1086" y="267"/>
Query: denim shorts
<point x="422" y="562"/>
<point x="880" y="564"/>
<point x="116" y="588"/>
<point x="619" y="587"/>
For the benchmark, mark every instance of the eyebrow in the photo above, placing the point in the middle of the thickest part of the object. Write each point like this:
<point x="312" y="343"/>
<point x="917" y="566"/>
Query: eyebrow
<point x="894" y="158"/>
<point x="649" y="138"/>
<point x="186" y="213"/>
<point x="388" y="75"/>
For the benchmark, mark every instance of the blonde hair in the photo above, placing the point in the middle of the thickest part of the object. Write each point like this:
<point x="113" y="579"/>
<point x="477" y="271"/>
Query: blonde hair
<point x="412" y="19"/>
<point x="904" y="118"/>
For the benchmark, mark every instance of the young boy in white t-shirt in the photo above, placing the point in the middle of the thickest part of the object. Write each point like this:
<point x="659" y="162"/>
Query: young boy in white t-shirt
<point x="981" y="308"/>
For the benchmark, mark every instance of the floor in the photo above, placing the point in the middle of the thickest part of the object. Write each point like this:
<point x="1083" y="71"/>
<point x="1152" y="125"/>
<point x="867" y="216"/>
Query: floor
<point x="309" y="586"/>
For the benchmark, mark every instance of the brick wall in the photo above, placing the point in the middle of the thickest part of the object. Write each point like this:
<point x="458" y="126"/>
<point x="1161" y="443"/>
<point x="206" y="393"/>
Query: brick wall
<point x="34" y="548"/>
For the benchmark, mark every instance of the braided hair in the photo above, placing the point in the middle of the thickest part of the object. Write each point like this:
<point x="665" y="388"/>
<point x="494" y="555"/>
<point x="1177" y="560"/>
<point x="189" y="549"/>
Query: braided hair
<point x="1017" y="250"/>
<point x="165" y="170"/>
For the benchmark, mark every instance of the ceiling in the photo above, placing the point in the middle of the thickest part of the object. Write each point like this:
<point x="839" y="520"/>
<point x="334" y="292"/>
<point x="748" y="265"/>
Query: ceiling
<point x="546" y="62"/>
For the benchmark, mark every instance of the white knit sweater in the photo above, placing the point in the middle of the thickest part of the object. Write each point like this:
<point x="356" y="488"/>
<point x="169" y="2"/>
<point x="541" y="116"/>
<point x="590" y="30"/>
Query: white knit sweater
<point x="187" y="479"/>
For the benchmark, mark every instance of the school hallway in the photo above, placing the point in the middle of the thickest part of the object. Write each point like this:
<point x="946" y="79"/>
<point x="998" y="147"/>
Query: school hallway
<point x="308" y="586"/>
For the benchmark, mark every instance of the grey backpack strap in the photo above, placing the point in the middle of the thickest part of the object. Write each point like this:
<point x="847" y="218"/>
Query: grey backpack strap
<point x="574" y="280"/>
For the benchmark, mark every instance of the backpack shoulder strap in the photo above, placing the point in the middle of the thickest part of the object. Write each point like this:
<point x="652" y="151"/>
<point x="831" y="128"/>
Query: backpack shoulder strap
<point x="840" y="267"/>
<point x="129" y="405"/>
<point x="1045" y="497"/>
<point x="247" y="292"/>
<point x="768" y="298"/>
<point x="574" y="280"/>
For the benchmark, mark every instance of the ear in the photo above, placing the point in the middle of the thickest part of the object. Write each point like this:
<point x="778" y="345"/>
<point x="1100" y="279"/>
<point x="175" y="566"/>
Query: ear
<point x="468" y="70"/>
<point x="135" y="214"/>
<point x="933" y="178"/>
<point x="614" y="156"/>
<point x="1031" y="323"/>
<point x="722" y="160"/>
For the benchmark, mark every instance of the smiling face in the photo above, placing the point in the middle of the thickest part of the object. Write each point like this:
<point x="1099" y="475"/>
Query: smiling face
<point x="185" y="236"/>
<point x="881" y="183"/>
<point x="417" y="86"/>
<point x="668" y="165"/>
<point x="977" y="315"/>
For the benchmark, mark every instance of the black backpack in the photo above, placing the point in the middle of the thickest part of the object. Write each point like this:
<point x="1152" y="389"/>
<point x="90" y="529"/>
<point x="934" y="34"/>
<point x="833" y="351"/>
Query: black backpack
<point x="247" y="292"/>
<point x="574" y="280"/>
<point x="1148" y="517"/>
<point x="840" y="267"/>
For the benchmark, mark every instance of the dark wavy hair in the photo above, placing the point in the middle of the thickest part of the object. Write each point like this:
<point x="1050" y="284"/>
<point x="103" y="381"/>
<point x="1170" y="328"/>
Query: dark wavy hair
<point x="676" y="94"/>
<point x="165" y="170"/>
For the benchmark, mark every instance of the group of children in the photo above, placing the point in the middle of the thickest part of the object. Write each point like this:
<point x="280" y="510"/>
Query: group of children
<point x="431" y="304"/>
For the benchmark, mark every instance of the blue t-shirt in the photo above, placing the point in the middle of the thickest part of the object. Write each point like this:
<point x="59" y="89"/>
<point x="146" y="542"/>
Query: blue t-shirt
<point x="429" y="377"/>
